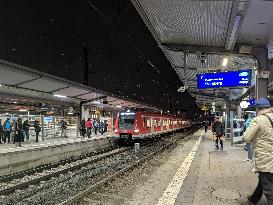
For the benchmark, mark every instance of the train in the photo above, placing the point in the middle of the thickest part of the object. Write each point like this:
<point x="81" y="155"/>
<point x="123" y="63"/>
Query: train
<point x="141" y="125"/>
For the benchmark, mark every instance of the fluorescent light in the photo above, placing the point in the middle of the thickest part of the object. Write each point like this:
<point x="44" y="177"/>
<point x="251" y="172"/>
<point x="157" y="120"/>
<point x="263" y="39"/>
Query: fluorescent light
<point x="128" y="111"/>
<point x="70" y="113"/>
<point x="22" y="110"/>
<point x="96" y="102"/>
<point x="60" y="96"/>
<point x="118" y="105"/>
<point x="1" y="85"/>
<point x="225" y="61"/>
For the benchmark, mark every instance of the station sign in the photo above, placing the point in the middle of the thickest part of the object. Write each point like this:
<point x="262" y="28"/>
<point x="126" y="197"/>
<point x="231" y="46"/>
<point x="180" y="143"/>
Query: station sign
<point x="229" y="79"/>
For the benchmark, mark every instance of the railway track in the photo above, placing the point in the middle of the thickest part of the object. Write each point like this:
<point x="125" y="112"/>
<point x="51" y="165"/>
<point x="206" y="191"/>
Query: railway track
<point x="77" y="178"/>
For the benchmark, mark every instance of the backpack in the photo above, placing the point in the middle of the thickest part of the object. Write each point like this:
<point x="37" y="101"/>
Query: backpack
<point x="7" y="125"/>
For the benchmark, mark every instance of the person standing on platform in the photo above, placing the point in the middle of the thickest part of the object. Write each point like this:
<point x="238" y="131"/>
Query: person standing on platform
<point x="95" y="125"/>
<point x="18" y="132"/>
<point x="26" y="126"/>
<point x="206" y="125"/>
<point x="82" y="128"/>
<point x="7" y="130"/>
<point x="1" y="132"/>
<point x="64" y="128"/>
<point x="101" y="127"/>
<point x="89" y="126"/>
<point x="37" y="128"/>
<point x="248" y="145"/>
<point x="219" y="132"/>
<point x="105" y="126"/>
<point x="260" y="134"/>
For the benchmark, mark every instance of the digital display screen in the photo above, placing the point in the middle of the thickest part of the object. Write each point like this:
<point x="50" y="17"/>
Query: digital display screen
<point x="240" y="78"/>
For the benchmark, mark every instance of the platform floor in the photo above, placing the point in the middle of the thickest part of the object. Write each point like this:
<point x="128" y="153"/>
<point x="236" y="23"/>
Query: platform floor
<point x="197" y="173"/>
<point x="5" y="148"/>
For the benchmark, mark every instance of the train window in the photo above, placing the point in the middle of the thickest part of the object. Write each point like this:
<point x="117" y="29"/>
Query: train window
<point x="148" y="122"/>
<point x="126" y="121"/>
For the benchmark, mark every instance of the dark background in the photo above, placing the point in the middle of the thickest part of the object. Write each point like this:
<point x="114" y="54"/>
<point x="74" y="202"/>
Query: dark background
<point x="49" y="35"/>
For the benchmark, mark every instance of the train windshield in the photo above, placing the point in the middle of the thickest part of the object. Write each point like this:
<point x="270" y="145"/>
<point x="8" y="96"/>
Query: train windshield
<point x="126" y="121"/>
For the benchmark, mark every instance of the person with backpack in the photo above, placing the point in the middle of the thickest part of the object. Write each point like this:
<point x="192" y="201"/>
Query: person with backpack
<point x="7" y="130"/>
<point x="26" y="127"/>
<point x="95" y="125"/>
<point x="1" y="132"/>
<point x="260" y="134"/>
<point x="37" y="129"/>
<point x="219" y="131"/>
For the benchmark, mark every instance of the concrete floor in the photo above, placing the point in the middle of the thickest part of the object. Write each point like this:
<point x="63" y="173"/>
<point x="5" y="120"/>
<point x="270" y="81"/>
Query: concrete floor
<point x="197" y="173"/>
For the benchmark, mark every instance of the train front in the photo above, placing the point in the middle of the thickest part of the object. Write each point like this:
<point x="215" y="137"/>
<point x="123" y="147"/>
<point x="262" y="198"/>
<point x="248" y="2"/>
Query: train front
<point x="125" y="126"/>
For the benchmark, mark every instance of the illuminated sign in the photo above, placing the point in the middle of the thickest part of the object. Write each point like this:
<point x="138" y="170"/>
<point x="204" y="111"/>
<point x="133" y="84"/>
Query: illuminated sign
<point x="240" y="78"/>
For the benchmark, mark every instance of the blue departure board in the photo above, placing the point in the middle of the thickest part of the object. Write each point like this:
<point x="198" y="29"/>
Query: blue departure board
<point x="240" y="78"/>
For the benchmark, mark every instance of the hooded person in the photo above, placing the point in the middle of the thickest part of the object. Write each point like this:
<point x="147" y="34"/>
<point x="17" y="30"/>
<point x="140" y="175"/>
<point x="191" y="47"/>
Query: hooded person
<point x="260" y="134"/>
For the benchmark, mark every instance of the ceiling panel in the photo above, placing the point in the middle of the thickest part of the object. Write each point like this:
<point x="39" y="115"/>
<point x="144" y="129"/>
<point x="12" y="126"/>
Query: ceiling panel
<point x="188" y="22"/>
<point x="90" y="96"/>
<point x="43" y="85"/>
<point x="71" y="92"/>
<point x="12" y="78"/>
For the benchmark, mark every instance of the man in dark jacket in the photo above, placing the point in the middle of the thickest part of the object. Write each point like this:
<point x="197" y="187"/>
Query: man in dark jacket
<point x="37" y="129"/>
<point x="1" y="132"/>
<point x="219" y="131"/>
<point x="26" y="129"/>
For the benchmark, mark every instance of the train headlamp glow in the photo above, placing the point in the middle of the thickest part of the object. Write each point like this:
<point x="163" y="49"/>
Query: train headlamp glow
<point x="136" y="130"/>
<point x="116" y="130"/>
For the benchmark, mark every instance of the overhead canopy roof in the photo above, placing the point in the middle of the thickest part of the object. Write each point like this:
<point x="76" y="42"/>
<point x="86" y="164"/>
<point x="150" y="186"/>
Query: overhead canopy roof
<point x="212" y="27"/>
<point x="21" y="81"/>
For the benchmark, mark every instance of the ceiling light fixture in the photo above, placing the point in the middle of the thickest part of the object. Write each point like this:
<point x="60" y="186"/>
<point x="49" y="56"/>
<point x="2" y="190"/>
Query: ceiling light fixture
<point x="119" y="106"/>
<point x="225" y="61"/>
<point x="23" y="110"/>
<point x="60" y="96"/>
<point x="96" y="102"/>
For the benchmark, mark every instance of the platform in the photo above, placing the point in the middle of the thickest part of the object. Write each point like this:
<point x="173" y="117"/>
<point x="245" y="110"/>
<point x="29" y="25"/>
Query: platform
<point x="197" y="173"/>
<point x="31" y="154"/>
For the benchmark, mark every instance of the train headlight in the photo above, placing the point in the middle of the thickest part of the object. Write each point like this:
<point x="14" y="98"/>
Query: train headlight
<point x="116" y="130"/>
<point x="136" y="130"/>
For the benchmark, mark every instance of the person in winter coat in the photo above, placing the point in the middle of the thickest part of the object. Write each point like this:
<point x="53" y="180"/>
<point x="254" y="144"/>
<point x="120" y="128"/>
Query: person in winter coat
<point x="63" y="127"/>
<point x="101" y="127"/>
<point x="95" y="125"/>
<point x="219" y="131"/>
<point x="248" y="145"/>
<point x="260" y="133"/>
<point x="1" y="132"/>
<point x="206" y="125"/>
<point x="89" y="127"/>
<point x="37" y="129"/>
<point x="7" y="130"/>
<point x="82" y="128"/>
<point x="18" y="132"/>
<point x="26" y="127"/>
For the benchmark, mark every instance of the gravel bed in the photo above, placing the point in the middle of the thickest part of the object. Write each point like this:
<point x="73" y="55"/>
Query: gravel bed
<point x="62" y="187"/>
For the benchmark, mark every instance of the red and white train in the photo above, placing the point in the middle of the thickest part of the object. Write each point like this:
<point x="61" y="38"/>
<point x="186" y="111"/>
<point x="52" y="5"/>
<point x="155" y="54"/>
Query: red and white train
<point x="141" y="125"/>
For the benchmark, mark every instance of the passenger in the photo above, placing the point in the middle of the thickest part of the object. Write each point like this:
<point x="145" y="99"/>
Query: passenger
<point x="1" y="132"/>
<point x="37" y="129"/>
<point x="18" y="132"/>
<point x="105" y="126"/>
<point x="206" y="125"/>
<point x="95" y="125"/>
<point x="218" y="130"/>
<point x="260" y="133"/>
<point x="101" y="127"/>
<point x="26" y="127"/>
<point x="63" y="127"/>
<point x="82" y="128"/>
<point x="248" y="145"/>
<point x="7" y="130"/>
<point x="89" y="126"/>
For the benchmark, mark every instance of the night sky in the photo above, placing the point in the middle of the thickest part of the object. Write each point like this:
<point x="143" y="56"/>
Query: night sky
<point x="49" y="35"/>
